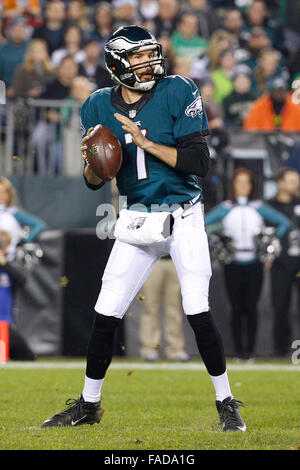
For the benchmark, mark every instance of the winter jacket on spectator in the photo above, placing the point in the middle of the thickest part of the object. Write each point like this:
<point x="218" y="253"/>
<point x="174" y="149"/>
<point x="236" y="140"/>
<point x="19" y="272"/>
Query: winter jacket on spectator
<point x="262" y="116"/>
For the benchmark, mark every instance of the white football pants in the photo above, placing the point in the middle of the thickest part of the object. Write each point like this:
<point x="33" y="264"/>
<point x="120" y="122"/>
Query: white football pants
<point x="129" y="266"/>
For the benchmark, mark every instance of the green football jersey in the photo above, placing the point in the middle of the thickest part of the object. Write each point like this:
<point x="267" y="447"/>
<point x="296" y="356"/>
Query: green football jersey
<point x="171" y="110"/>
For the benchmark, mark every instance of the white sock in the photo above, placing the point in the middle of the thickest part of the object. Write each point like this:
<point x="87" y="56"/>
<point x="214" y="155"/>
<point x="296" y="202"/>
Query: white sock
<point x="222" y="387"/>
<point x="92" y="389"/>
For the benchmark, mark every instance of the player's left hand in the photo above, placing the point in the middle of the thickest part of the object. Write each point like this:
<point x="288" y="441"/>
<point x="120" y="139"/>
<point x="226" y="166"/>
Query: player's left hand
<point x="129" y="126"/>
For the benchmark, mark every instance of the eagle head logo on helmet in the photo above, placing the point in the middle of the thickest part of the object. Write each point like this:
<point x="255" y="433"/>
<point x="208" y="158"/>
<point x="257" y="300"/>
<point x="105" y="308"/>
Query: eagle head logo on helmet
<point x="125" y="41"/>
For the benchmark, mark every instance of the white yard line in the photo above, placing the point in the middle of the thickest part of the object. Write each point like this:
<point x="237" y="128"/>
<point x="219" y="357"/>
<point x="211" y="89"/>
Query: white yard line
<point x="190" y="366"/>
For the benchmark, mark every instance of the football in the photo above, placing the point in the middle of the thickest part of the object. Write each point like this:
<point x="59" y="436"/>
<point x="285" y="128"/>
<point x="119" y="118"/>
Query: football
<point x="104" y="152"/>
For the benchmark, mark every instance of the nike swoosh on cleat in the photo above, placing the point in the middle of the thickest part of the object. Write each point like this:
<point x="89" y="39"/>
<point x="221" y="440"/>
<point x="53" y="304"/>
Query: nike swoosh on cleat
<point x="73" y="423"/>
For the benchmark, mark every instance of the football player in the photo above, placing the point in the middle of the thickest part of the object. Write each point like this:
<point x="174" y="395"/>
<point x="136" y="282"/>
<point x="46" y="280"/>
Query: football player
<point x="161" y="123"/>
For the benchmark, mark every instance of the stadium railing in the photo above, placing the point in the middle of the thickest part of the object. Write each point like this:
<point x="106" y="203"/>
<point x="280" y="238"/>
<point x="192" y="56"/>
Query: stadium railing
<point x="43" y="137"/>
<point x="40" y="137"/>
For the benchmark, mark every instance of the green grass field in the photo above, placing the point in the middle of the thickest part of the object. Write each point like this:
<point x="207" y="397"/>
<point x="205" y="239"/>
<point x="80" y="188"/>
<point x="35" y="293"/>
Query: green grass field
<point x="152" y="409"/>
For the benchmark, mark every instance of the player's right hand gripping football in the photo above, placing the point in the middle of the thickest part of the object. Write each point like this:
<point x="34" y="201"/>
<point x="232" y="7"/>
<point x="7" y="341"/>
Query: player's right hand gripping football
<point x="89" y="174"/>
<point x="83" y="147"/>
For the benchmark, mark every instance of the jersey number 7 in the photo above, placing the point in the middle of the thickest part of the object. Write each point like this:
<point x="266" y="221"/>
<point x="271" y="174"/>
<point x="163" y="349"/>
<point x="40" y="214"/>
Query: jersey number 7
<point x="141" y="165"/>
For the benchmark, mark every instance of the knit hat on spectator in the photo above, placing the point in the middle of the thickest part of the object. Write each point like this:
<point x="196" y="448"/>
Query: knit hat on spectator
<point x="276" y="83"/>
<point x="241" y="69"/>
<point x="206" y="80"/>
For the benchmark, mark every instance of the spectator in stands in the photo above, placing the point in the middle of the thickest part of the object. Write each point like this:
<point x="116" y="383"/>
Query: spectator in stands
<point x="12" y="53"/>
<point x="256" y="43"/>
<point x="71" y="46"/>
<point x="166" y="21"/>
<point x="233" y="24"/>
<point x="148" y="9"/>
<point x="257" y="15"/>
<point x="217" y="142"/>
<point x="182" y="66"/>
<point x="12" y="277"/>
<point x="125" y="12"/>
<point x="91" y="66"/>
<point x="185" y="40"/>
<point x="29" y="9"/>
<point x="169" y="53"/>
<point x="268" y="68"/>
<point x="213" y="109"/>
<point x="290" y="18"/>
<point x="208" y="62"/>
<point x="13" y="219"/>
<point x="274" y="111"/>
<point x="241" y="217"/>
<point x="207" y="19"/>
<point x="223" y="75"/>
<point x="59" y="88"/>
<point x="52" y="29"/>
<point x="80" y="90"/>
<point x="237" y="104"/>
<point x="76" y="13"/>
<point x="162" y="288"/>
<point x="47" y="136"/>
<point x="35" y="72"/>
<point x="6" y="295"/>
<point x="219" y="41"/>
<point x="285" y="268"/>
<point x="2" y="37"/>
<point x="102" y="24"/>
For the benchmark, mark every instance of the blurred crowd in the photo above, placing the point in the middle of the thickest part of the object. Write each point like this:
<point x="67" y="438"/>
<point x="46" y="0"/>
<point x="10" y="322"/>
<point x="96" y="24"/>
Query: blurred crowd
<point x="244" y="55"/>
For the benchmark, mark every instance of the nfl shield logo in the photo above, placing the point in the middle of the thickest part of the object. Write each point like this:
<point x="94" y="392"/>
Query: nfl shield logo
<point x="132" y="113"/>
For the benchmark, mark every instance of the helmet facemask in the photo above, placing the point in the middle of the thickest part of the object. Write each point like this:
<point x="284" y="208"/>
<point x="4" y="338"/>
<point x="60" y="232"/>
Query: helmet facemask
<point x="157" y="66"/>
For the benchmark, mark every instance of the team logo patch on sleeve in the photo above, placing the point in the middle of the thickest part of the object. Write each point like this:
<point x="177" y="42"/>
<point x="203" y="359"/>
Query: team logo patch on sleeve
<point x="195" y="108"/>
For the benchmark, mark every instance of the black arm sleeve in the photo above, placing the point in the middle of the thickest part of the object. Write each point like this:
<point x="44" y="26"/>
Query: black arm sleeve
<point x="193" y="154"/>
<point x="93" y="187"/>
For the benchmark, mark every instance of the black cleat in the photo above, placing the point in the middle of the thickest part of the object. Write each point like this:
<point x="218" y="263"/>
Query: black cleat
<point x="78" y="412"/>
<point x="229" y="413"/>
